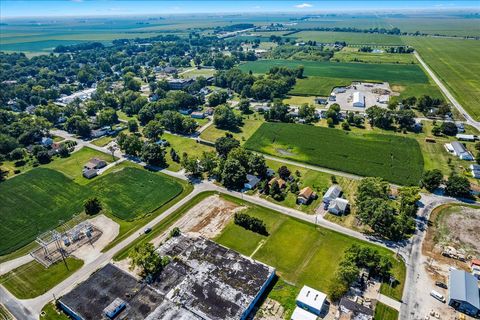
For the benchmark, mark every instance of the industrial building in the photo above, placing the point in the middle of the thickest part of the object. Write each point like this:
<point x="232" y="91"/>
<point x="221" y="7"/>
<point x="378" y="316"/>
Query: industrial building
<point x="463" y="292"/>
<point x="358" y="100"/>
<point x="204" y="280"/>
<point x="309" y="300"/>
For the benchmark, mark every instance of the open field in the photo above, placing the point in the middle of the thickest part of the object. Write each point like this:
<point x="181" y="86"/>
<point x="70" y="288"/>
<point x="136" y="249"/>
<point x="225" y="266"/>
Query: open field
<point x="393" y="73"/>
<point x="317" y="86"/>
<point x="456" y="63"/>
<point x="384" y="312"/>
<point x="250" y="124"/>
<point x="41" y="199"/>
<point x="33" y="279"/>
<point x="182" y="144"/>
<point x="351" y="38"/>
<point x="313" y="264"/>
<point x="198" y="72"/>
<point x="394" y="158"/>
<point x="72" y="166"/>
<point x="349" y="54"/>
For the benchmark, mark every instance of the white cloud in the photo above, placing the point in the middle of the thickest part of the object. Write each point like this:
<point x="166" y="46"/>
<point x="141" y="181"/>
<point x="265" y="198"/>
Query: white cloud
<point x="303" y="5"/>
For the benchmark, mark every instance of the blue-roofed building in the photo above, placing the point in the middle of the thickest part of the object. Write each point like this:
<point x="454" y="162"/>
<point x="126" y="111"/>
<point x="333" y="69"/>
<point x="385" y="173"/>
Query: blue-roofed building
<point x="463" y="293"/>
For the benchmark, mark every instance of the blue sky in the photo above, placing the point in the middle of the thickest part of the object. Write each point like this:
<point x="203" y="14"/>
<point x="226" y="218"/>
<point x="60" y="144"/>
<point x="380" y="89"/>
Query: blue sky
<point x="39" y="8"/>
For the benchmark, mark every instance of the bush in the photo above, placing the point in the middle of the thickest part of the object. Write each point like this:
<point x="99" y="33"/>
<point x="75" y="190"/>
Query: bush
<point x="175" y="232"/>
<point x="16" y="171"/>
<point x="92" y="206"/>
<point x="250" y="223"/>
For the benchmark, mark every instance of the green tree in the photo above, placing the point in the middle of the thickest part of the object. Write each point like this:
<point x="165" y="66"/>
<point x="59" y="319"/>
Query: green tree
<point x="132" y="145"/>
<point x="432" y="179"/>
<point x="225" y="118"/>
<point x="153" y="130"/>
<point x="244" y="106"/>
<point x="224" y="145"/>
<point x="145" y="257"/>
<point x="233" y="174"/>
<point x="153" y="154"/>
<point x="92" y="206"/>
<point x="307" y="112"/>
<point x="107" y="117"/>
<point x="132" y="125"/>
<point x="191" y="165"/>
<point x="458" y="186"/>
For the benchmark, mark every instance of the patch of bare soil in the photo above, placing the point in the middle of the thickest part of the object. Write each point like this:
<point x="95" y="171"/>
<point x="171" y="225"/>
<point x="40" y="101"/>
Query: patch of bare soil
<point x="464" y="227"/>
<point x="207" y="218"/>
<point x="284" y="152"/>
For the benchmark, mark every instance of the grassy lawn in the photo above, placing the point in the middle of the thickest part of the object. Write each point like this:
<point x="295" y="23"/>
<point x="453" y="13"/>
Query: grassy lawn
<point x="181" y="145"/>
<point x="393" y="73"/>
<point x="302" y="253"/>
<point x="198" y="72"/>
<point x="350" y="38"/>
<point x="395" y="158"/>
<point x="250" y="124"/>
<point x="103" y="141"/>
<point x="384" y="312"/>
<point x="455" y="61"/>
<point x="123" y="116"/>
<point x="32" y="279"/>
<point x="299" y="100"/>
<point x="73" y="165"/>
<point x="53" y="313"/>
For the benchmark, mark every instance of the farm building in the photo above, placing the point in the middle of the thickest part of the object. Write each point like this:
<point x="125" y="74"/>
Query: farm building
<point x="475" y="168"/>
<point x="459" y="150"/>
<point x="306" y="195"/>
<point x="338" y="206"/>
<point x="465" y="137"/>
<point x="384" y="99"/>
<point x="332" y="193"/>
<point x="252" y="182"/>
<point x="302" y="314"/>
<point x="95" y="163"/>
<point x="311" y="300"/>
<point x="463" y="292"/>
<point x="205" y="281"/>
<point x="358" y="100"/>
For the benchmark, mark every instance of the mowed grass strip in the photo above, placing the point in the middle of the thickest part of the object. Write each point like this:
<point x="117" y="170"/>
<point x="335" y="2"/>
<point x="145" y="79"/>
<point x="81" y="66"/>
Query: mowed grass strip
<point x="393" y="73"/>
<point x="33" y="279"/>
<point x="394" y="158"/>
<point x="384" y="312"/>
<point x="302" y="253"/>
<point x="41" y="199"/>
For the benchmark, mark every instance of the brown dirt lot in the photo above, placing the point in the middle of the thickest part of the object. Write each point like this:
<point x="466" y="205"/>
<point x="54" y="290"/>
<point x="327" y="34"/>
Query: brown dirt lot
<point x="453" y="225"/>
<point x="207" y="218"/>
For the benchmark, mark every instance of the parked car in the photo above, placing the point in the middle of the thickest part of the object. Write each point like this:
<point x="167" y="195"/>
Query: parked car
<point x="437" y="296"/>
<point x="147" y="230"/>
<point x="441" y="284"/>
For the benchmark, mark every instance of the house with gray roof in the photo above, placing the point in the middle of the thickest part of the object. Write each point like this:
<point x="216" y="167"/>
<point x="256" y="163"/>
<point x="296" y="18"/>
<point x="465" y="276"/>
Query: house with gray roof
<point x="460" y="151"/>
<point x="332" y="193"/>
<point x="463" y="293"/>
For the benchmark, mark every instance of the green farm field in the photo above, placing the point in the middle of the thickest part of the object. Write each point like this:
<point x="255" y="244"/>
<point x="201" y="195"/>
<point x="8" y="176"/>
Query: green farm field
<point x="41" y="199"/>
<point x="393" y="73"/>
<point x="317" y="86"/>
<point x="456" y="63"/>
<point x="396" y="159"/>
<point x="351" y="38"/>
<point x="349" y="54"/>
<point x="284" y="248"/>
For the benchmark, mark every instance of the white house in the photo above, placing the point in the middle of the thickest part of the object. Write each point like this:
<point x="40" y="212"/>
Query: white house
<point x="475" y="168"/>
<point x="358" y="100"/>
<point x="311" y="300"/>
<point x="332" y="193"/>
<point x="338" y="206"/>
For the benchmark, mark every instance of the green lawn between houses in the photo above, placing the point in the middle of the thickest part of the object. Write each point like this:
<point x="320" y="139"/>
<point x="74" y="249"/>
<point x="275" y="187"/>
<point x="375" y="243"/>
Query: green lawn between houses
<point x="33" y="279"/>
<point x="301" y="253"/>
<point x="41" y="199"/>
<point x="394" y="158"/>
<point x="384" y="312"/>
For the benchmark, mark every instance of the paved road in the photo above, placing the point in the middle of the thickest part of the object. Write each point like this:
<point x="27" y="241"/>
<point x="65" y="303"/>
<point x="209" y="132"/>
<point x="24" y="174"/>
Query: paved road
<point x="447" y="93"/>
<point x="15" y="263"/>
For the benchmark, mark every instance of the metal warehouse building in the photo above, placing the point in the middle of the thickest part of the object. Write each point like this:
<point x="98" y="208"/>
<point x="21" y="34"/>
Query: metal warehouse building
<point x="464" y="294"/>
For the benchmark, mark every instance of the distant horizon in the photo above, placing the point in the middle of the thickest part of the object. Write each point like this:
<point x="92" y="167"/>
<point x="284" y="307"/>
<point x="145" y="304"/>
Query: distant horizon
<point x="44" y="9"/>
